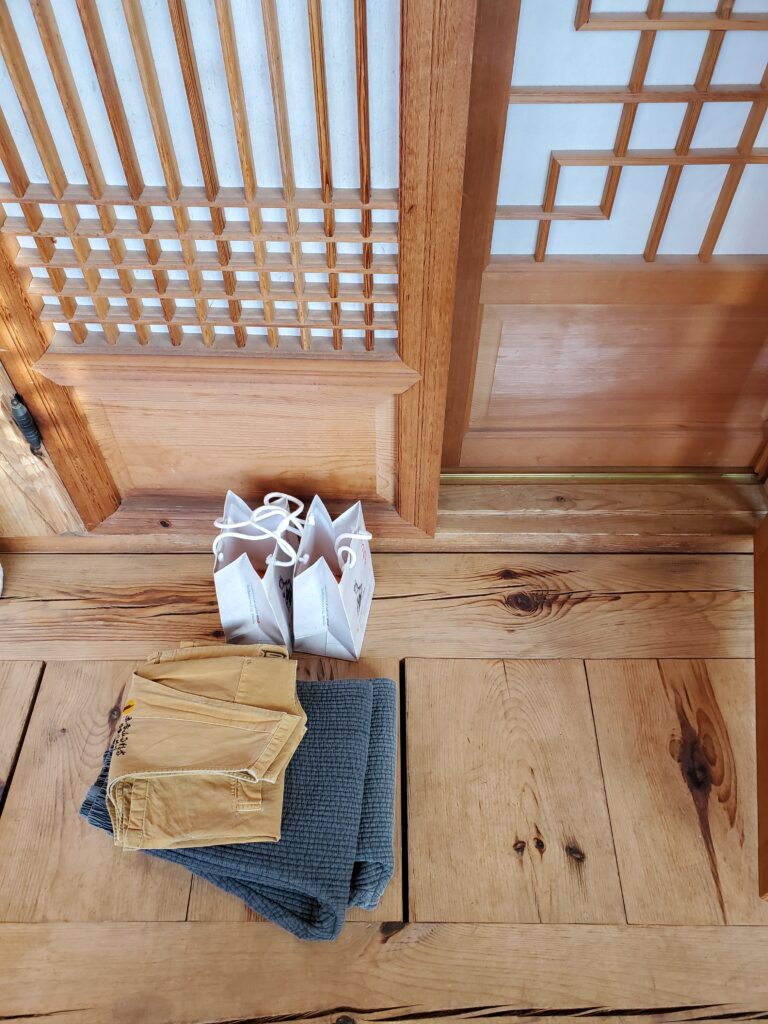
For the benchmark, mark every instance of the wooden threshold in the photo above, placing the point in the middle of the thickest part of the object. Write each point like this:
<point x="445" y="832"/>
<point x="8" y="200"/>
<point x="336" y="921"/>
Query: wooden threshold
<point x="487" y="512"/>
<point x="504" y="605"/>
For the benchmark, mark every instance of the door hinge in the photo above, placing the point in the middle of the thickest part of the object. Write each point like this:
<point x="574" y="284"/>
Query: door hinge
<point x="25" y="421"/>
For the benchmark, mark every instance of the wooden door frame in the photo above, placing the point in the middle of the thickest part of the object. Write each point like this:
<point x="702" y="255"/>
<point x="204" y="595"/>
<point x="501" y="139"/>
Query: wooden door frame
<point x="494" y="46"/>
<point x="761" y="700"/>
<point x="436" y="62"/>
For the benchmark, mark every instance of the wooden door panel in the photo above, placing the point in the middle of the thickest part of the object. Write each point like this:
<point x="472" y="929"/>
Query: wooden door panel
<point x="226" y="238"/>
<point x="594" y="385"/>
<point x="612" y="300"/>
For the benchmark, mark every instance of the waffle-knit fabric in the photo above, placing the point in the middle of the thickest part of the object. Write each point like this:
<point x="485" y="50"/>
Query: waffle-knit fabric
<point x="338" y="816"/>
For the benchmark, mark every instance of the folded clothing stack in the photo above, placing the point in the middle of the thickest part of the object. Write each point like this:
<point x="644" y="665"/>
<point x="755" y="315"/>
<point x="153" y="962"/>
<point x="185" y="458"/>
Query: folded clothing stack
<point x="202" y="746"/>
<point x="335" y="849"/>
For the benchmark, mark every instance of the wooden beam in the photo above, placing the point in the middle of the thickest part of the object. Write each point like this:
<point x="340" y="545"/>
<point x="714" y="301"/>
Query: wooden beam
<point x="556" y="213"/>
<point x="658" y="157"/>
<point x="176" y="195"/>
<point x="317" y="46"/>
<point x="674" y="280"/>
<point x="494" y="50"/>
<point x="682" y="22"/>
<point x="619" y="94"/>
<point x="68" y="438"/>
<point x="285" y="151"/>
<point x="364" y="138"/>
<point x="436" y="63"/>
<point x="761" y="701"/>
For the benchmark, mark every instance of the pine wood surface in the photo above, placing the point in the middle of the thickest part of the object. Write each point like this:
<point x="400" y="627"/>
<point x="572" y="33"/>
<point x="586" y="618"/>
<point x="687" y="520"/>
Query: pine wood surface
<point x="198" y="974"/>
<point x="761" y="700"/>
<point x="441" y="605"/>
<point x="676" y="741"/>
<point x="507" y="818"/>
<point x="702" y="513"/>
<point x="582" y="758"/>
<point x="34" y="500"/>
<point x="18" y="685"/>
<point x="64" y="870"/>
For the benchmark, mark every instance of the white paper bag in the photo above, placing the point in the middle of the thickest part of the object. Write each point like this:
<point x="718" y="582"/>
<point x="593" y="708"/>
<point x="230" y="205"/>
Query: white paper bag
<point x="333" y="584"/>
<point x="253" y="585"/>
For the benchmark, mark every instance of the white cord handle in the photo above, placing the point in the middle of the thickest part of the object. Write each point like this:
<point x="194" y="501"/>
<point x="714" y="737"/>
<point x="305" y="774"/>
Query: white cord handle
<point x="289" y="523"/>
<point x="345" y="549"/>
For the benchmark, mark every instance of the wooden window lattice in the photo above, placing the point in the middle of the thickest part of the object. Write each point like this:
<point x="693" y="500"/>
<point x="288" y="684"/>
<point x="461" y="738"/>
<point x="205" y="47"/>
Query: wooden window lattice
<point x="132" y="262"/>
<point x="736" y="159"/>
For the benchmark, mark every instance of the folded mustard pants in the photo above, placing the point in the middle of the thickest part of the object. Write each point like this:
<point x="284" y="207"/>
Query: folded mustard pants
<point x="201" y="749"/>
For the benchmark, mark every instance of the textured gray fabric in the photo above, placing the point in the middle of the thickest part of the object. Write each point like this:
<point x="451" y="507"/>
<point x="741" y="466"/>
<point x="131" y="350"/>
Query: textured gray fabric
<point x="336" y="849"/>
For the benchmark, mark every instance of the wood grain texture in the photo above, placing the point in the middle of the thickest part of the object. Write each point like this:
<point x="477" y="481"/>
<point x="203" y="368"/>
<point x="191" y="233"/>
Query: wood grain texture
<point x="493" y="57"/>
<point x="679" y="386"/>
<point x="683" y="21"/>
<point x="691" y="514"/>
<point x="62" y="868"/>
<point x="761" y="702"/>
<point x="33" y="500"/>
<point x="566" y="280"/>
<point x="245" y="971"/>
<point x="207" y="903"/>
<point x="436" y="61"/>
<point x="67" y="435"/>
<point x="147" y="407"/>
<point x="622" y="94"/>
<point x="18" y="686"/>
<point x="505" y="824"/>
<point x="433" y="605"/>
<point x="677" y="748"/>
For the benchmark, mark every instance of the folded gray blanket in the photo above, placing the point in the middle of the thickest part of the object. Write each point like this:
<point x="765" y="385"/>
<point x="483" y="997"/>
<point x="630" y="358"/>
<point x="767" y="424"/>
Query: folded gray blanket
<point x="336" y="849"/>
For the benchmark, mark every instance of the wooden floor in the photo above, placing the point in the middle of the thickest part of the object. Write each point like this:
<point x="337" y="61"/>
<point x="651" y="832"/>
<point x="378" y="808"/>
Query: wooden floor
<point x="576" y="828"/>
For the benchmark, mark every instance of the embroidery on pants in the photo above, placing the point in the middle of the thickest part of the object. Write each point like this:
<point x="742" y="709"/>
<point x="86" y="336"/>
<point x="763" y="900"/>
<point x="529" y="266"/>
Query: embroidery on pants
<point x="121" y="736"/>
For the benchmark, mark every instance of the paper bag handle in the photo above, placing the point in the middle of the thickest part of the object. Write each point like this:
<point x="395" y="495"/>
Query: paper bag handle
<point x="345" y="549"/>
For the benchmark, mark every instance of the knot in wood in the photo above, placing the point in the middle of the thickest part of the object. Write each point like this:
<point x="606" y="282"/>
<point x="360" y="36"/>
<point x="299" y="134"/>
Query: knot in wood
<point x="524" y="602"/>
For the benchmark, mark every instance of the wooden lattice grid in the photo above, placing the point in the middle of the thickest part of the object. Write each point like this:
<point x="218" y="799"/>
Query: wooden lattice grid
<point x="654" y="20"/>
<point x="280" y="267"/>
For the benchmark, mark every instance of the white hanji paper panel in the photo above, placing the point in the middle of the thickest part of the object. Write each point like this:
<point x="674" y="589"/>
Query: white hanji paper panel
<point x="552" y="53"/>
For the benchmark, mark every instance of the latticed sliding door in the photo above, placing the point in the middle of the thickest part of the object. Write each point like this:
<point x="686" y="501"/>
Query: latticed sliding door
<point x="228" y="243"/>
<point x="612" y="293"/>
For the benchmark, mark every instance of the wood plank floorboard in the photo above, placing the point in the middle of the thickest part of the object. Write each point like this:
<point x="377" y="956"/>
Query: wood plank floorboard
<point x="481" y="606"/>
<point x="55" y="867"/>
<point x="182" y="973"/>
<point x="507" y="818"/>
<point x="678" y="751"/>
<point x="18" y="684"/>
<point x="58" y="868"/>
<point x="93" y="936"/>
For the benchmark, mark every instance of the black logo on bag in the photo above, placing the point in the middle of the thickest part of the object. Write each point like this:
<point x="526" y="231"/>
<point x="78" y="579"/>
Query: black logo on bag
<point x="121" y="736"/>
<point x="286" y="586"/>
<point x="359" y="592"/>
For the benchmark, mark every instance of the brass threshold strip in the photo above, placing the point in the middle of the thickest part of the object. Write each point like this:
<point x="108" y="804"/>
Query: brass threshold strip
<point x="744" y="476"/>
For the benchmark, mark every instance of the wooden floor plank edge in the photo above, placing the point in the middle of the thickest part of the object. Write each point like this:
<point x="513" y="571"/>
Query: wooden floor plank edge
<point x="221" y="972"/>
<point x="5" y="782"/>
